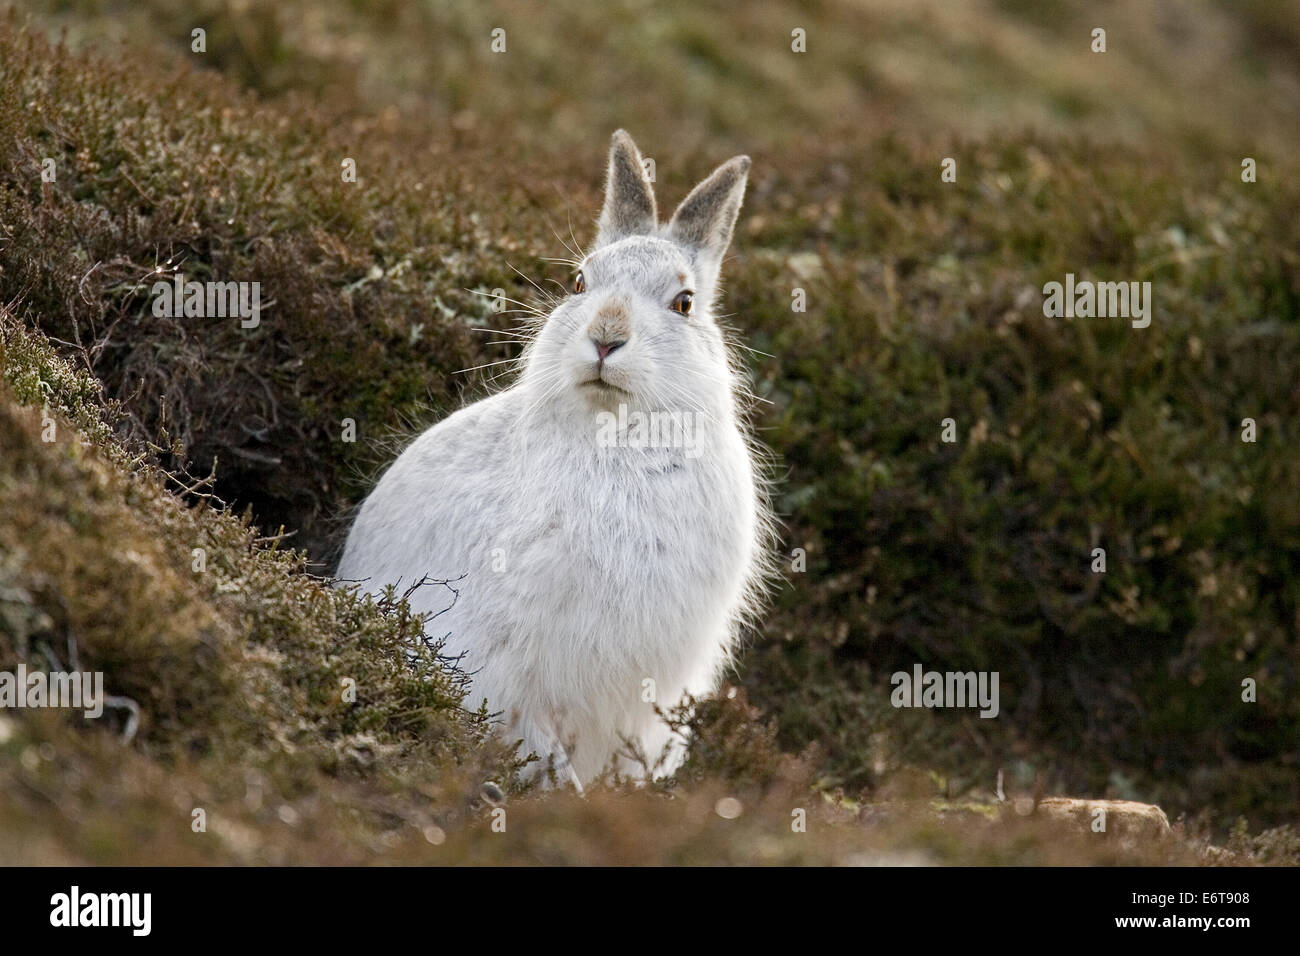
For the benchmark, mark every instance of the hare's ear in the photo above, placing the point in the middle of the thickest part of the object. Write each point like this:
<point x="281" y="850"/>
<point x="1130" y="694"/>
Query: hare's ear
<point x="629" y="198"/>
<point x="706" y="218"/>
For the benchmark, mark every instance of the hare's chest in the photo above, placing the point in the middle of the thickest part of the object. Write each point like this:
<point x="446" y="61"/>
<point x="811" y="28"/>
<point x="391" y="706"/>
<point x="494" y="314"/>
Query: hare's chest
<point x="648" y="532"/>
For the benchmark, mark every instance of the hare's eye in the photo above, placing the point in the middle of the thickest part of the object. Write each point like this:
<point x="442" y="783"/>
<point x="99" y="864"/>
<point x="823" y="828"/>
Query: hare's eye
<point x="683" y="302"/>
<point x="579" y="284"/>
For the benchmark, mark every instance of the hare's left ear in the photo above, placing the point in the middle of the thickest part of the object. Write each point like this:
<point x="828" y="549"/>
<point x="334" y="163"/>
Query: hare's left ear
<point x="629" y="197"/>
<point x="706" y="218"/>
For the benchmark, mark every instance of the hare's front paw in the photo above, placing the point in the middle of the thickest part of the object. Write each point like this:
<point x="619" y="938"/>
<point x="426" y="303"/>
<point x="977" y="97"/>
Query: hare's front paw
<point x="553" y="768"/>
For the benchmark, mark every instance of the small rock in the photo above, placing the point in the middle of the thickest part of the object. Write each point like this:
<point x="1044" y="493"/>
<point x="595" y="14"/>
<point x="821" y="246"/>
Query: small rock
<point x="1126" y="818"/>
<point x="806" y="266"/>
<point x="729" y="808"/>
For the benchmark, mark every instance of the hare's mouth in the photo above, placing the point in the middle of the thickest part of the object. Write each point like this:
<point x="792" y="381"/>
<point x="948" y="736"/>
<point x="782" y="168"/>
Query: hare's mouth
<point x="601" y="385"/>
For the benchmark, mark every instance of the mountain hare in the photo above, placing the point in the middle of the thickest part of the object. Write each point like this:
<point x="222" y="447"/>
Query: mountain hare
<point x="601" y="520"/>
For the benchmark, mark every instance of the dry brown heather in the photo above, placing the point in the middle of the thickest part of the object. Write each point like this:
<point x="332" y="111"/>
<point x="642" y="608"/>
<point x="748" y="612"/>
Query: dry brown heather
<point x="923" y="304"/>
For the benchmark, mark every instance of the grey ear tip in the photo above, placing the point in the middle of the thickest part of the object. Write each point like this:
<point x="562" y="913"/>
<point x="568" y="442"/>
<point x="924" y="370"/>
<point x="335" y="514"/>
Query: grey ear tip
<point x="620" y="134"/>
<point x="743" y="163"/>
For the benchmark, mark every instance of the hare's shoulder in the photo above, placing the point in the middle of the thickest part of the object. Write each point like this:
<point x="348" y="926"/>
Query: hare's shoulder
<point x="432" y="493"/>
<point x="443" y="461"/>
<point x="465" y="441"/>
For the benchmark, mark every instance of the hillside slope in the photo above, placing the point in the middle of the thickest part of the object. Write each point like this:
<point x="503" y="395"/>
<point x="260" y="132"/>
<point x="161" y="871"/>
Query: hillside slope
<point x="924" y="304"/>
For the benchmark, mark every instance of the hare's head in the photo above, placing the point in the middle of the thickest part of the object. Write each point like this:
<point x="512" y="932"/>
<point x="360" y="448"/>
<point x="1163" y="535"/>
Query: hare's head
<point x="638" y="328"/>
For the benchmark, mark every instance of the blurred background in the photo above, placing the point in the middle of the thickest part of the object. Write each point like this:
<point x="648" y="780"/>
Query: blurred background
<point x="925" y="303"/>
<point x="1198" y="76"/>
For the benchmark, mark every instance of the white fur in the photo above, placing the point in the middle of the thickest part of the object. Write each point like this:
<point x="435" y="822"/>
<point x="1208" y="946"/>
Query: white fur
<point x="586" y="567"/>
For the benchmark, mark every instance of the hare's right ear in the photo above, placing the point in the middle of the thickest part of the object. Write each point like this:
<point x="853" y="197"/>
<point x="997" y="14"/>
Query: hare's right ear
<point x="629" y="198"/>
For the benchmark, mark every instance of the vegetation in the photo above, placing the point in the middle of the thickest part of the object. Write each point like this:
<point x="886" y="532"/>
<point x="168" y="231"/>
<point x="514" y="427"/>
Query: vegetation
<point x="174" y="531"/>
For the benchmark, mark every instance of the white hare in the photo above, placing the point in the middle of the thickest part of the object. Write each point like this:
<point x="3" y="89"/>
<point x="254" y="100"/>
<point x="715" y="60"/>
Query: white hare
<point x="604" y="514"/>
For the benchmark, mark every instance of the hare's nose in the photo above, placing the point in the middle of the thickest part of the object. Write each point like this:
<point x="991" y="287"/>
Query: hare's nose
<point x="604" y="348"/>
<point x="610" y="328"/>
